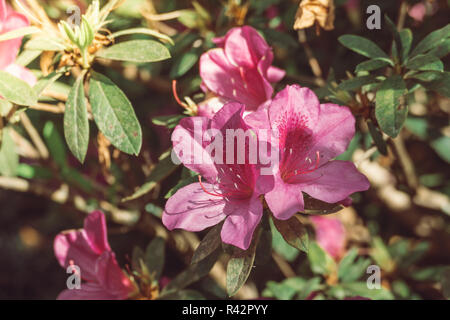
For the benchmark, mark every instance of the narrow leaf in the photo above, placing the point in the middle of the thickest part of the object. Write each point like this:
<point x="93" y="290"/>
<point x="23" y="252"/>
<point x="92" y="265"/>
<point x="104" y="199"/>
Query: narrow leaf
<point x="294" y="232"/>
<point x="136" y="51"/>
<point x="239" y="267"/>
<point x="210" y="243"/>
<point x="432" y="40"/>
<point x="425" y="63"/>
<point x="16" y="90"/>
<point x="76" y="123"/>
<point x="363" y="46"/>
<point x="114" y="115"/>
<point x="389" y="110"/>
<point x="372" y="64"/>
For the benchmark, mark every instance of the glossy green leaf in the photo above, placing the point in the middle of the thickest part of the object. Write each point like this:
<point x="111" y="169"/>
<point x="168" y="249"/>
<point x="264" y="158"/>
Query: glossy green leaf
<point x="363" y="46"/>
<point x="239" y="267"/>
<point x="76" y="123"/>
<point x="432" y="40"/>
<point x="114" y="115"/>
<point x="210" y="243"/>
<point x="389" y="110"/>
<point x="320" y="261"/>
<point x="377" y="137"/>
<point x="294" y="232"/>
<point x="372" y="64"/>
<point x="183" y="64"/>
<point x="425" y="63"/>
<point x="138" y="51"/>
<point x="356" y="83"/>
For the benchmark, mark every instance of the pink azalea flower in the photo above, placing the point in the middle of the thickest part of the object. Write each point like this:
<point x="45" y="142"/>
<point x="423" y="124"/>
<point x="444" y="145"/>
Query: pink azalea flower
<point x="330" y="234"/>
<point x="230" y="192"/>
<point x="11" y="20"/>
<point x="240" y="69"/>
<point x="88" y="248"/>
<point x="309" y="135"/>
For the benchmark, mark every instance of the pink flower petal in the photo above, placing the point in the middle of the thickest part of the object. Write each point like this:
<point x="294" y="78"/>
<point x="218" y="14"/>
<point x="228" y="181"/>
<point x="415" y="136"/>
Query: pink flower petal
<point x="88" y="291"/>
<point x="221" y="77"/>
<point x="72" y="247"/>
<point x="275" y="74"/>
<point x="244" y="47"/>
<point x="189" y="145"/>
<point x="10" y="48"/>
<point x="334" y="181"/>
<point x="95" y="228"/>
<point x="192" y="209"/>
<point x="330" y="234"/>
<point x="111" y="277"/>
<point x="293" y="108"/>
<point x="285" y="199"/>
<point x="243" y="218"/>
<point x="332" y="133"/>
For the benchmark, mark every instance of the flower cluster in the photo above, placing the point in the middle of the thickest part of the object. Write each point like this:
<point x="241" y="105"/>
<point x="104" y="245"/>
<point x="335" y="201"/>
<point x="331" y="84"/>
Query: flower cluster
<point x="89" y="250"/>
<point x="305" y="134"/>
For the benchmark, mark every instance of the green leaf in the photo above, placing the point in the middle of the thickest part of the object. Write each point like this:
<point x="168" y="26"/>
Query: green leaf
<point x="184" y="63"/>
<point x="114" y="114"/>
<point x="372" y="64"/>
<point x="55" y="144"/>
<point x="210" y="243"/>
<point x="145" y="31"/>
<point x="428" y="76"/>
<point x="442" y="50"/>
<point x="350" y="268"/>
<point x="294" y="232"/>
<point x="138" y="51"/>
<point x="76" y="123"/>
<point x="192" y="274"/>
<point x="47" y="81"/>
<point x="16" y="90"/>
<point x="18" y="33"/>
<point x="280" y="246"/>
<point x="170" y="121"/>
<point x="180" y="185"/>
<point x="9" y="159"/>
<point x="406" y="38"/>
<point x="441" y="85"/>
<point x="363" y="46"/>
<point x="425" y="63"/>
<point x="239" y="267"/>
<point x="317" y="207"/>
<point x="356" y="83"/>
<point x="397" y="40"/>
<point x="45" y="43"/>
<point x="360" y="289"/>
<point x="377" y="138"/>
<point x="432" y="40"/>
<point x="389" y="110"/>
<point x="321" y="262"/>
<point x="442" y="147"/>
<point x="155" y="256"/>
<point x="162" y="169"/>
